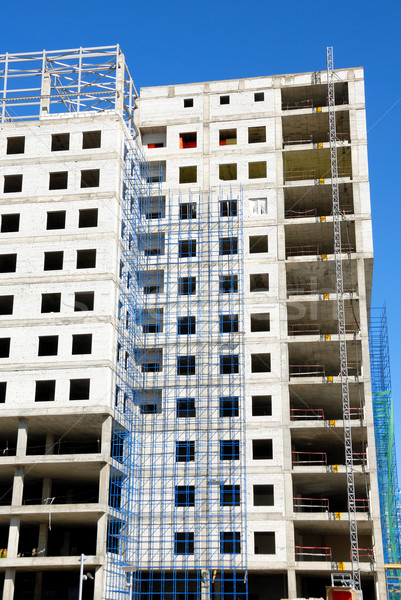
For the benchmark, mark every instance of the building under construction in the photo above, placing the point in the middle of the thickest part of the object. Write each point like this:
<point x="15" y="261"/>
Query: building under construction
<point x="187" y="408"/>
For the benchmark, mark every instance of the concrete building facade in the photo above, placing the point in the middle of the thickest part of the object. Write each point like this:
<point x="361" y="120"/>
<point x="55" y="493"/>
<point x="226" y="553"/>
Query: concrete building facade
<point x="192" y="447"/>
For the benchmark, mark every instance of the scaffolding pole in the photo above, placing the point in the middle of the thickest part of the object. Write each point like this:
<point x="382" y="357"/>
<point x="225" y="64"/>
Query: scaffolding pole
<point x="383" y="411"/>
<point x="337" y="217"/>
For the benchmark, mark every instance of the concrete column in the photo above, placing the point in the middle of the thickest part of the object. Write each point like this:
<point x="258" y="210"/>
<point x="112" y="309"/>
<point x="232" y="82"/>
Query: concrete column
<point x="18" y="486"/>
<point x="98" y="592"/>
<point x="13" y="537"/>
<point x="37" y="594"/>
<point x="101" y="542"/>
<point x="46" y="488"/>
<point x="42" y="539"/>
<point x="45" y="91"/>
<point x="9" y="584"/>
<point x="107" y="427"/>
<point x="291" y="584"/>
<point x="22" y="437"/>
<point x="49" y="447"/>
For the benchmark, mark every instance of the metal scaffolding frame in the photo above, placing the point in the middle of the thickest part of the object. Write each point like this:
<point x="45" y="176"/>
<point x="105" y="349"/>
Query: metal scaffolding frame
<point x="337" y="217"/>
<point x="38" y="85"/>
<point x="178" y="489"/>
<point x="383" y="411"/>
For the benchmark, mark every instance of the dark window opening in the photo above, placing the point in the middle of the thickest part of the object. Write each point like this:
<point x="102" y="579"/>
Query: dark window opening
<point x="90" y="178"/>
<point x="186" y="408"/>
<point x="186" y="325"/>
<point x="188" y="174"/>
<point x="261" y="406"/>
<point x="257" y="170"/>
<point x="188" y="140"/>
<point x="184" y="495"/>
<point x="56" y="219"/>
<point x="10" y="223"/>
<point x="51" y="303"/>
<point x="184" y="542"/>
<point x="230" y="495"/>
<point x="224" y="99"/>
<point x="228" y="172"/>
<point x="260" y="363"/>
<point x="5" y="347"/>
<point x="265" y="542"/>
<point x="152" y="320"/>
<point x="151" y="401"/>
<point x="229" y="450"/>
<point x="185" y="365"/>
<point x="12" y="184"/>
<point x="188" y="211"/>
<point x="259" y="282"/>
<point x="82" y="343"/>
<point x="227" y="137"/>
<point x="60" y="141"/>
<point x="8" y="263"/>
<point x="86" y="259"/>
<point x="228" y="284"/>
<point x="185" y="451"/>
<point x="259" y="96"/>
<point x="53" y="261"/>
<point x="6" y="305"/>
<point x="58" y="180"/>
<point x="186" y="248"/>
<point x="262" y="449"/>
<point x="263" y="495"/>
<point x="260" y="322"/>
<point x="88" y="217"/>
<point x="45" y="391"/>
<point x="228" y="208"/>
<point x="188" y="102"/>
<point x="48" y="345"/>
<point x="228" y="246"/>
<point x="230" y="542"/>
<point x="83" y="301"/>
<point x="258" y="243"/>
<point x="3" y="391"/>
<point x="16" y="145"/>
<point x="79" y="389"/>
<point x="229" y="406"/>
<point x="228" y="323"/>
<point x="256" y="135"/>
<point x="187" y="286"/>
<point x="229" y="364"/>
<point x="91" y="139"/>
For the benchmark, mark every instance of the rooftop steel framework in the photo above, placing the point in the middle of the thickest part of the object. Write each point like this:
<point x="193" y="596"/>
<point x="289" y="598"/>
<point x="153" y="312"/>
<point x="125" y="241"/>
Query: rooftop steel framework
<point x="37" y="85"/>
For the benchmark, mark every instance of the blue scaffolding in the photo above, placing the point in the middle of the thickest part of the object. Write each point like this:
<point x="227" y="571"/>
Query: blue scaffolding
<point x="177" y="526"/>
<point x="383" y="410"/>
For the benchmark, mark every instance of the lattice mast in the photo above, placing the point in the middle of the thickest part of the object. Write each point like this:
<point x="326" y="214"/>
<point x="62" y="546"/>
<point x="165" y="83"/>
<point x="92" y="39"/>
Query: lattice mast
<point x="337" y="217"/>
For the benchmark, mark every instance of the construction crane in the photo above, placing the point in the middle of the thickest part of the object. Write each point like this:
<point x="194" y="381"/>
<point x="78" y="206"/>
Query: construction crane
<point x="345" y="579"/>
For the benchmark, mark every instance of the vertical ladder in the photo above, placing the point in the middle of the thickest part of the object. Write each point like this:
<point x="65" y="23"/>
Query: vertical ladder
<point x="353" y="529"/>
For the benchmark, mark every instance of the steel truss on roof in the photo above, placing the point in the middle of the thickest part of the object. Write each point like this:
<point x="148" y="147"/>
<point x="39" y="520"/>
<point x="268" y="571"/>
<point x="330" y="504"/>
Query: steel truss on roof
<point x="36" y="85"/>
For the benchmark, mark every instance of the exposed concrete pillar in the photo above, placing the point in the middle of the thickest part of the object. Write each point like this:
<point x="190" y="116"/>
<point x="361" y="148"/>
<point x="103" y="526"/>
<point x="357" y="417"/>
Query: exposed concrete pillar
<point x="101" y="537"/>
<point x="42" y="539"/>
<point x="9" y="585"/>
<point x="45" y="91"/>
<point x="18" y="486"/>
<point x="22" y="437"/>
<point x="291" y="584"/>
<point x="37" y="594"/>
<point x="107" y="426"/>
<point x="46" y="488"/>
<point x="98" y="592"/>
<point x="49" y="447"/>
<point x="13" y="537"/>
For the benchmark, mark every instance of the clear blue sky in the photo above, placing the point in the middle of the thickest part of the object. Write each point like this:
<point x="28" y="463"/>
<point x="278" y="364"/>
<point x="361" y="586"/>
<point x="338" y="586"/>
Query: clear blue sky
<point x="176" y="42"/>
